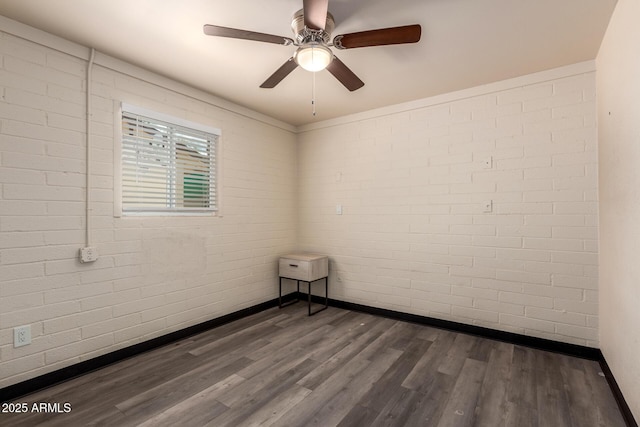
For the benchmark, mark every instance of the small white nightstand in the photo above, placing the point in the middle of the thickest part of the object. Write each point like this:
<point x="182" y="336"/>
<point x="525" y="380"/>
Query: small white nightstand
<point x="304" y="268"/>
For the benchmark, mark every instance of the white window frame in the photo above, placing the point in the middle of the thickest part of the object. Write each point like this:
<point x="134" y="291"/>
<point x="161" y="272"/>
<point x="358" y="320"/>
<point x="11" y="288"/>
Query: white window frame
<point x="119" y="210"/>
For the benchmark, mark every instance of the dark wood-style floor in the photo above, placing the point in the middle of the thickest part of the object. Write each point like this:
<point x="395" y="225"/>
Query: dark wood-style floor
<point x="344" y="368"/>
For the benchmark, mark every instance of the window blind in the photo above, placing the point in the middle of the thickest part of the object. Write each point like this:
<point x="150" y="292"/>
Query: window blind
<point x="166" y="167"/>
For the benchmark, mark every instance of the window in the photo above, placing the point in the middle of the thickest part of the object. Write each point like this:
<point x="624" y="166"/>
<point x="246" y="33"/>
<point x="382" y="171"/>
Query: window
<point x="167" y="164"/>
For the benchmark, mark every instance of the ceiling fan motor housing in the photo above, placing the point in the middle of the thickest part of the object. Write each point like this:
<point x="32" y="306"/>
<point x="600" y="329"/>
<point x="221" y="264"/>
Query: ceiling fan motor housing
<point x="304" y="34"/>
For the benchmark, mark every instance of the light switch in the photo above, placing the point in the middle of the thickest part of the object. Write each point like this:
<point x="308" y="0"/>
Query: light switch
<point x="487" y="206"/>
<point x="338" y="209"/>
<point x="488" y="162"/>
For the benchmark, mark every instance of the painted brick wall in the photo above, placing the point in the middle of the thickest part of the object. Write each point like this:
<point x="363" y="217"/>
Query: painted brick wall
<point x="154" y="274"/>
<point x="414" y="237"/>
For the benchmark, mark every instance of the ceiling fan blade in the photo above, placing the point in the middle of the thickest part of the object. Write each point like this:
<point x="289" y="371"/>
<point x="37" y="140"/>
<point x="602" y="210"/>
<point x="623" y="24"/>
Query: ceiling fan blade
<point x="381" y="37"/>
<point x="234" y="33"/>
<point x="344" y="75"/>
<point x="280" y="74"/>
<point x="315" y="13"/>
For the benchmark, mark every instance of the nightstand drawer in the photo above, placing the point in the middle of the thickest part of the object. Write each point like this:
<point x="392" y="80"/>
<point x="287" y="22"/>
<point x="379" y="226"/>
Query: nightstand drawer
<point x="307" y="267"/>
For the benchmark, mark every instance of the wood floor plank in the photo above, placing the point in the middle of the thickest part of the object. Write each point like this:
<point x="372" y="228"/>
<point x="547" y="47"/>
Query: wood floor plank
<point x="482" y="350"/>
<point x="187" y="380"/>
<point x="383" y="341"/>
<point x="340" y="367"/>
<point x="344" y="336"/>
<point x="581" y="409"/>
<point x="299" y="415"/>
<point x="342" y="355"/>
<point x="458" y="354"/>
<point x="271" y="315"/>
<point x="314" y="327"/>
<point x="429" y="333"/>
<point x="198" y="409"/>
<point x="261" y="393"/>
<point x="425" y="368"/>
<point x="553" y="407"/>
<point x="299" y="347"/>
<point x="460" y="408"/>
<point x="521" y="415"/>
<point x="145" y="374"/>
<point x="295" y="364"/>
<point x="298" y="316"/>
<point x="359" y="416"/>
<point x="389" y="387"/>
<point x="350" y="318"/>
<point x="603" y="400"/>
<point x="491" y="410"/>
<point x="523" y="384"/>
<point x="399" y="411"/>
<point x="406" y="334"/>
<point x="108" y="385"/>
<point x="160" y="398"/>
<point x="431" y="400"/>
<point x="270" y="413"/>
<point x="231" y="341"/>
<point x="339" y="405"/>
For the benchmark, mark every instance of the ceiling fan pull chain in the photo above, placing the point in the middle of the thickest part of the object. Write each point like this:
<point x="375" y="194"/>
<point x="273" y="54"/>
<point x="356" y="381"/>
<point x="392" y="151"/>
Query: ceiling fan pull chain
<point x="313" y="95"/>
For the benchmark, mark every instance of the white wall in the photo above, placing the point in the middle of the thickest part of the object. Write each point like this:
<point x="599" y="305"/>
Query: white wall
<point x="155" y="275"/>
<point x="619" y="150"/>
<point x="413" y="236"/>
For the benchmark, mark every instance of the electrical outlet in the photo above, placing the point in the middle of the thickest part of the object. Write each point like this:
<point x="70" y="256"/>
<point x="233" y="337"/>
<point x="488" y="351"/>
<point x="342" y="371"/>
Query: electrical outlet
<point x="21" y="335"/>
<point x="338" y="209"/>
<point x="88" y="254"/>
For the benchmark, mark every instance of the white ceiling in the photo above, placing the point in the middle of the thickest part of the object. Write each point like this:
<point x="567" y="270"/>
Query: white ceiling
<point x="464" y="43"/>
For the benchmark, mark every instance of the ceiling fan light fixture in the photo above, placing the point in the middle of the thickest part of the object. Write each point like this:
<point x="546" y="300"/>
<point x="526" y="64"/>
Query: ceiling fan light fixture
<point x="313" y="56"/>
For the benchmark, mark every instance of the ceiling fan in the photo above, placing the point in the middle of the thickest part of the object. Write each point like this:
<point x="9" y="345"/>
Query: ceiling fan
<point x="312" y="26"/>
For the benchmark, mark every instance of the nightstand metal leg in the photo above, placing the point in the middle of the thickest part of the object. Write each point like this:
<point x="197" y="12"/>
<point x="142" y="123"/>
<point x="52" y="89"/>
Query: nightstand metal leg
<point x="297" y="298"/>
<point x="326" y="297"/>
<point x="326" y="291"/>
